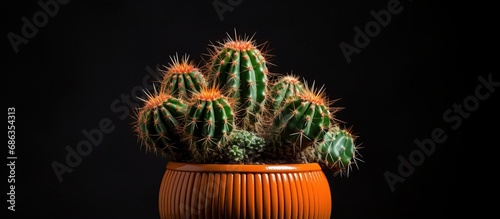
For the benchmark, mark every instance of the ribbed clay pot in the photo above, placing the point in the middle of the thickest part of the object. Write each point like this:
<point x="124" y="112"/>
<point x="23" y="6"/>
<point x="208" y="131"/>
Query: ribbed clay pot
<point x="244" y="191"/>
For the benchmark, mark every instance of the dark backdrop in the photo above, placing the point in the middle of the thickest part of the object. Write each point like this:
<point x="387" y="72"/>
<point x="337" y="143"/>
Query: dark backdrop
<point x="86" y="64"/>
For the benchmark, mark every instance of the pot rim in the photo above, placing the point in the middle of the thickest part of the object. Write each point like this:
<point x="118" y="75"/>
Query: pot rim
<point x="247" y="168"/>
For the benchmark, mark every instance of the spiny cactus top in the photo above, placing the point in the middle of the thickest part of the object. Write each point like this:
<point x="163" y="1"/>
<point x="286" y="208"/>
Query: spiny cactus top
<point x="286" y="88"/>
<point x="157" y="124"/>
<point x="182" y="78"/>
<point x="238" y="68"/>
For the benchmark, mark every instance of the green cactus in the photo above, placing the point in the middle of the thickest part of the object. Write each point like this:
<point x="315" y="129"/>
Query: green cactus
<point x="241" y="114"/>
<point x="239" y="69"/>
<point x="285" y="88"/>
<point x="303" y="120"/>
<point x="337" y="150"/>
<point x="208" y="124"/>
<point x="182" y="78"/>
<point x="244" y="147"/>
<point x="157" y="124"/>
<point x="236" y="153"/>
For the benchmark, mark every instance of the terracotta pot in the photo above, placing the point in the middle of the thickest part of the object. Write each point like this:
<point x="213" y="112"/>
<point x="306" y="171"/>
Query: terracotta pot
<point x="244" y="191"/>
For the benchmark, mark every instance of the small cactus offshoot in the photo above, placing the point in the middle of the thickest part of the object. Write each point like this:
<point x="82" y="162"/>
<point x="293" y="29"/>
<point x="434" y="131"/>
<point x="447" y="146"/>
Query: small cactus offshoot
<point x="244" y="147"/>
<point x="338" y="150"/>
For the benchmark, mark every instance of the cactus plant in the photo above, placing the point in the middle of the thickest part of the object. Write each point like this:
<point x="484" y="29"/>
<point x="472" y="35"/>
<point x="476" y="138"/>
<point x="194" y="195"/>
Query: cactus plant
<point x="157" y="124"/>
<point x="244" y="147"/>
<point x="337" y="150"/>
<point x="241" y="114"/>
<point x="182" y="78"/>
<point x="239" y="68"/>
<point x="208" y="123"/>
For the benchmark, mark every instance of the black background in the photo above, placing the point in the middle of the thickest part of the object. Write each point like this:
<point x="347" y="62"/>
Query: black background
<point x="91" y="53"/>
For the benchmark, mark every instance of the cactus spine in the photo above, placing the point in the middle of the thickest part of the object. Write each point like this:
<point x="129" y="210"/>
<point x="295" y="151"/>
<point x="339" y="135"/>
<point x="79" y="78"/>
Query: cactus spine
<point x="209" y="122"/>
<point x="239" y="69"/>
<point x="182" y="78"/>
<point x="157" y="124"/>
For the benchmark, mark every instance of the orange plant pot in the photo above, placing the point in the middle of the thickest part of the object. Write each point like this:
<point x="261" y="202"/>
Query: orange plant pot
<point x="244" y="191"/>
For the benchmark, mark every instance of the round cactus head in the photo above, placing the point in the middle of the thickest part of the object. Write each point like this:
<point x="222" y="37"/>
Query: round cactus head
<point x="157" y="123"/>
<point x="285" y="88"/>
<point x="182" y="78"/>
<point x="338" y="150"/>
